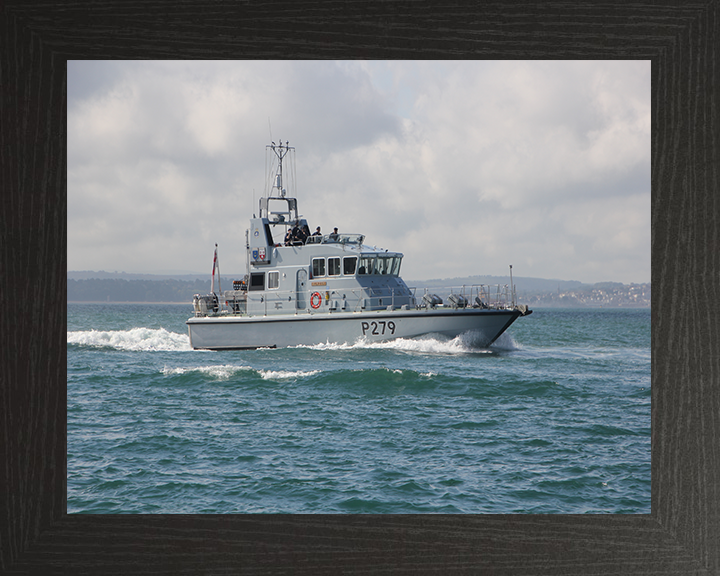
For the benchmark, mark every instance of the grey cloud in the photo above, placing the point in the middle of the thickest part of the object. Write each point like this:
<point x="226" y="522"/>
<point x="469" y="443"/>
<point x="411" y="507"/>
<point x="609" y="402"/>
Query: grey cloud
<point x="91" y="79"/>
<point x="434" y="159"/>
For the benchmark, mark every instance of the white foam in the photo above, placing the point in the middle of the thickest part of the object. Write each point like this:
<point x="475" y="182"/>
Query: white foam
<point x="222" y="372"/>
<point x="465" y="343"/>
<point x="225" y="371"/>
<point x="135" y="339"/>
<point x="426" y="345"/>
<point x="286" y="374"/>
<point x="506" y="342"/>
<point x="326" y="346"/>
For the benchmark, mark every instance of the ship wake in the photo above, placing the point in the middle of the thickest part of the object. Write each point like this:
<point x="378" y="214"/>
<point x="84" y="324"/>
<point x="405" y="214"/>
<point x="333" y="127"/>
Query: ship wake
<point x="135" y="339"/>
<point x="471" y="342"/>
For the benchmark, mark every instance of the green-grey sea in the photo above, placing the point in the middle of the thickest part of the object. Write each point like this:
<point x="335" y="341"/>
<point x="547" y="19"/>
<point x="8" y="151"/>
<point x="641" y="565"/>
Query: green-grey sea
<point x="552" y="418"/>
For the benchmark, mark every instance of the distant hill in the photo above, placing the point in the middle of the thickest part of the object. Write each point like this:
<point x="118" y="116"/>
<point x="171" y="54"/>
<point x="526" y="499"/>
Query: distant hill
<point x="139" y="289"/>
<point x="534" y="284"/>
<point x="520" y="282"/>
<point x="540" y="292"/>
<point x="102" y="275"/>
<point x="89" y="286"/>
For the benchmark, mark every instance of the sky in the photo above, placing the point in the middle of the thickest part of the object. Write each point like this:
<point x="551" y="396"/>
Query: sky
<point x="466" y="167"/>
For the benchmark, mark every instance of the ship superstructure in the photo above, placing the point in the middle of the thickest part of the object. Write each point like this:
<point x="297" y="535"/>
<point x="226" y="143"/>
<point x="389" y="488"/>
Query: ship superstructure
<point x="304" y="288"/>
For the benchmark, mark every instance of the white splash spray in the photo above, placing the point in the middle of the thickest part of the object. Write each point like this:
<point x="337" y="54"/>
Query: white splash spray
<point x="466" y="343"/>
<point x="135" y="339"/>
<point x="226" y="371"/>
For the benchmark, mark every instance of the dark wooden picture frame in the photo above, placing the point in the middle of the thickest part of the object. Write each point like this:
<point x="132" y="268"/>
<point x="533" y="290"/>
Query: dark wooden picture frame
<point x="682" y="533"/>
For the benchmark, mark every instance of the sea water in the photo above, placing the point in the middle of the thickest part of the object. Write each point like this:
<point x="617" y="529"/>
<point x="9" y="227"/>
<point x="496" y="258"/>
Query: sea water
<point x="552" y="418"/>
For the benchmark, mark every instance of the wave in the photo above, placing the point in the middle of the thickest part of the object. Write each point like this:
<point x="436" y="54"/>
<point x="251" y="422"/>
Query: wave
<point x="506" y="342"/>
<point x="222" y="372"/>
<point x="135" y="339"/>
<point x="465" y="343"/>
<point x="285" y="374"/>
<point x="225" y="371"/>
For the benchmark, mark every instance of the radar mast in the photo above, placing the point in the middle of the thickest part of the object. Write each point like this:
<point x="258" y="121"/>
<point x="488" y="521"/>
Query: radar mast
<point x="284" y="209"/>
<point x="281" y="150"/>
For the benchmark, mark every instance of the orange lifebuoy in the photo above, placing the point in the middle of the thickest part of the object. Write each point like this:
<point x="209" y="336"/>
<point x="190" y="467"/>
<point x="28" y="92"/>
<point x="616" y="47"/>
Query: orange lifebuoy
<point x="313" y="303"/>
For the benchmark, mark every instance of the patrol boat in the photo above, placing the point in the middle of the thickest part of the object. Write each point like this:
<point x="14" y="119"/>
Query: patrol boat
<point x="308" y="289"/>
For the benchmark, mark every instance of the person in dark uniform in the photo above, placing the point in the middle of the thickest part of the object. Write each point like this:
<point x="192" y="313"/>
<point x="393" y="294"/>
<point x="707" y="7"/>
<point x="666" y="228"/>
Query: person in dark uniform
<point x="304" y="233"/>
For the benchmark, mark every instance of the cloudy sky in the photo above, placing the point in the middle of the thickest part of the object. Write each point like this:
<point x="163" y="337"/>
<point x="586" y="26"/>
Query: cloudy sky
<point x="465" y="167"/>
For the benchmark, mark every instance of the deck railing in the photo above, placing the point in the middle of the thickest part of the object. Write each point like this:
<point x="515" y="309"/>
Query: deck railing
<point x="493" y="296"/>
<point x="270" y="302"/>
<point x="336" y="239"/>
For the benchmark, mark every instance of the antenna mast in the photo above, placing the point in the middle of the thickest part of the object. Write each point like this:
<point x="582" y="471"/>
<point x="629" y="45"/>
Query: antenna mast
<point x="281" y="150"/>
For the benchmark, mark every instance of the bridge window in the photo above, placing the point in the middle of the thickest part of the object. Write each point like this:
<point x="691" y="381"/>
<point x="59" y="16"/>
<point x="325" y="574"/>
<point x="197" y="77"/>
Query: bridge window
<point x="384" y="265"/>
<point x="333" y="266"/>
<point x="396" y="265"/>
<point x="367" y="265"/>
<point x="273" y="280"/>
<point x="388" y="265"/>
<point x="318" y="267"/>
<point x="349" y="265"/>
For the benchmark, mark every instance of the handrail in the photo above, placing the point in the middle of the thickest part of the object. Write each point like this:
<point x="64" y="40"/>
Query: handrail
<point x="336" y="239"/>
<point x="497" y="296"/>
<point x="494" y="296"/>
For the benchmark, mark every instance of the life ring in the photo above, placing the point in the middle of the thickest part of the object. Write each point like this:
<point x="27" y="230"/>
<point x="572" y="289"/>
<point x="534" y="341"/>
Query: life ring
<point x="315" y="304"/>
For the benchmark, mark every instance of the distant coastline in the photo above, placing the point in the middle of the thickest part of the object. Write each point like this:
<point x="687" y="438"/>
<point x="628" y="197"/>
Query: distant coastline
<point x="118" y="287"/>
<point x="128" y="302"/>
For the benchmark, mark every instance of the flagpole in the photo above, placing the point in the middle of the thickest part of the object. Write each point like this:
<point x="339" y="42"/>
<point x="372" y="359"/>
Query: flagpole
<point x="212" y="276"/>
<point x="512" y="289"/>
<point x="218" y="269"/>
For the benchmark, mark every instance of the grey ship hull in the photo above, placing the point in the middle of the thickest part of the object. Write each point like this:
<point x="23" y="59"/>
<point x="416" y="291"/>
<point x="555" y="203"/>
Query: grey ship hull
<point x="247" y="332"/>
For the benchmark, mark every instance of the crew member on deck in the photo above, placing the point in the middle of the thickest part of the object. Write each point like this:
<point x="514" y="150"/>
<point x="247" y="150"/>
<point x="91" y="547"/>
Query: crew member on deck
<point x="334" y="235"/>
<point x="317" y="232"/>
